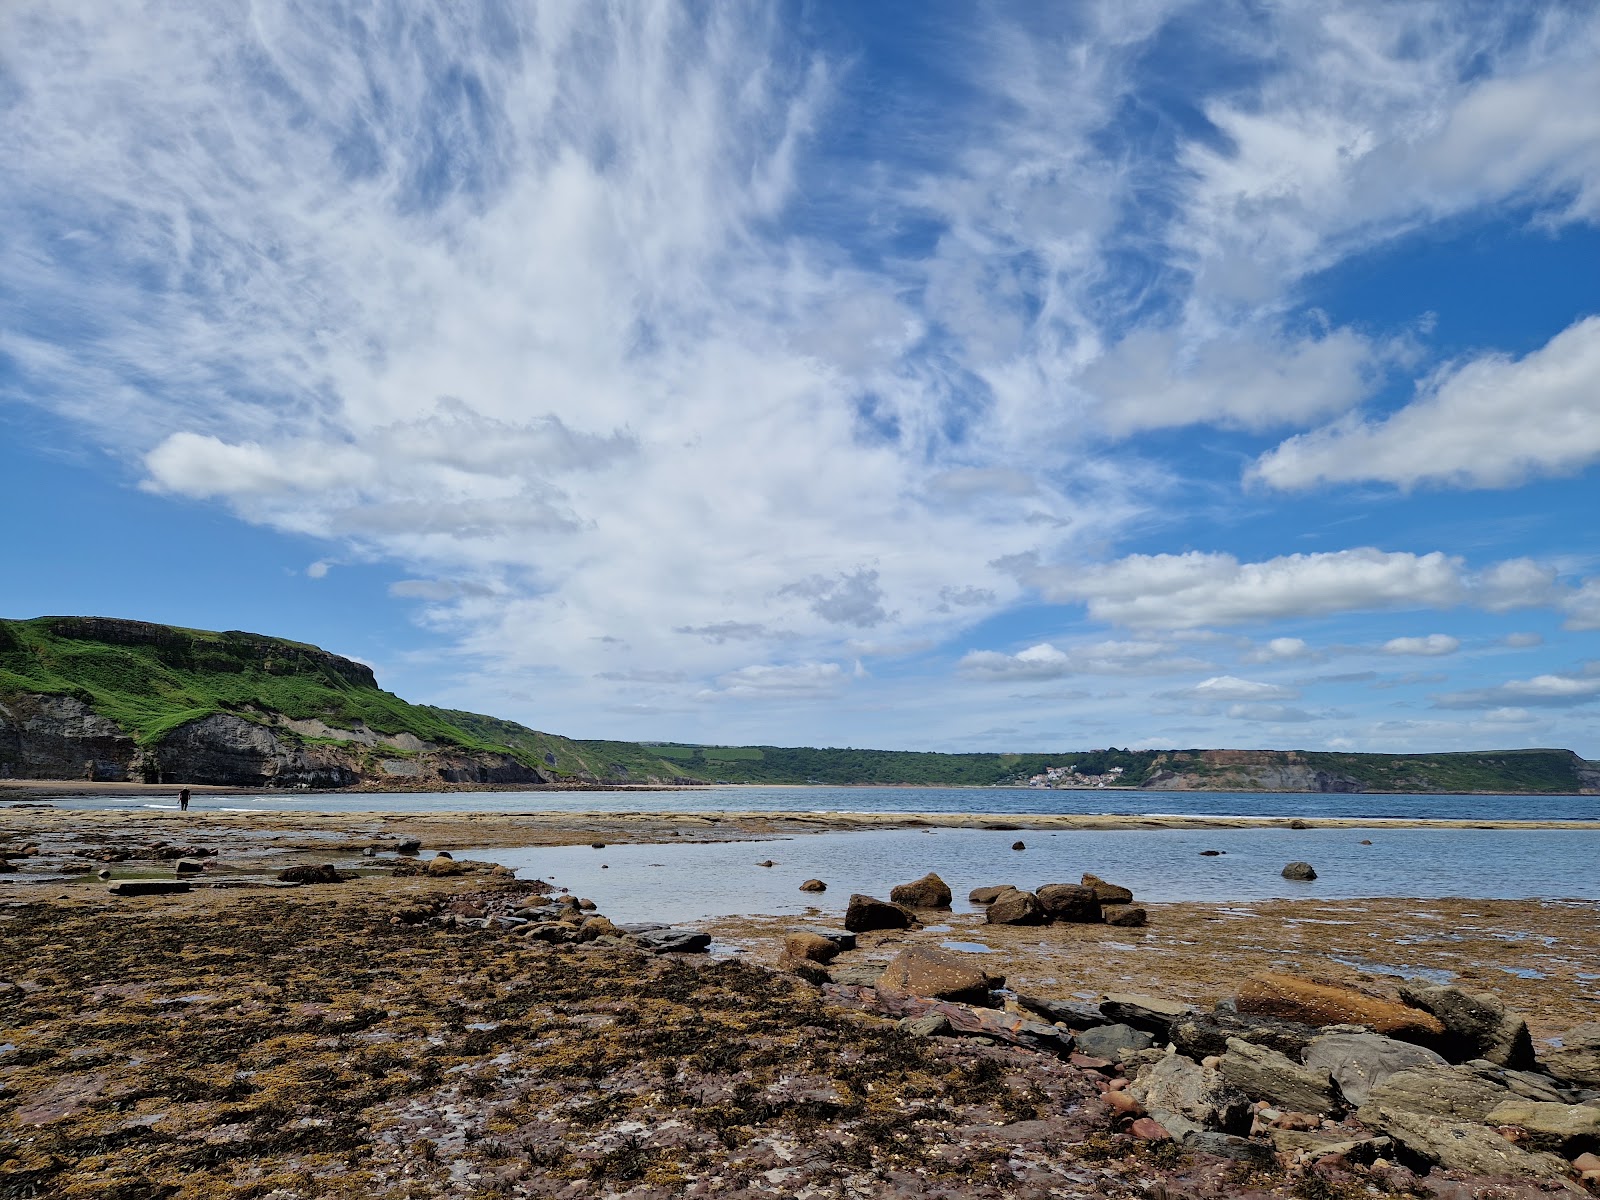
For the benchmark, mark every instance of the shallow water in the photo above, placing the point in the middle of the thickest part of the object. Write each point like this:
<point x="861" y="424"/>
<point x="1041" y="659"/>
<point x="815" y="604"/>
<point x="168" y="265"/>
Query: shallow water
<point x="999" y="801"/>
<point x="690" y="881"/>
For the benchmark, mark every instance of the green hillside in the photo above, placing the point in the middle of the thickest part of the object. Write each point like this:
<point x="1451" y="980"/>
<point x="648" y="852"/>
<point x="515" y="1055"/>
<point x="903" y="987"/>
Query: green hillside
<point x="150" y="679"/>
<point x="799" y="764"/>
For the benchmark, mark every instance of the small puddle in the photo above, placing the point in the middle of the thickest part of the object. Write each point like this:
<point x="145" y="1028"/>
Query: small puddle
<point x="969" y="947"/>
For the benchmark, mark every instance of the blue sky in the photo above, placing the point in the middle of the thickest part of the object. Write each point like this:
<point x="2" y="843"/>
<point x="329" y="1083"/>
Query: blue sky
<point x="945" y="376"/>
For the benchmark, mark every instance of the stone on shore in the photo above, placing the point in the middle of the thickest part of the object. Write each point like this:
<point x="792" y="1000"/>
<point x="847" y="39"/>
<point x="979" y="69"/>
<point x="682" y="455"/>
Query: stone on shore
<point x="1265" y="1074"/>
<point x="1577" y="1061"/>
<point x="673" y="941"/>
<point x="1439" y="1090"/>
<point x="444" y="865"/>
<point x="1015" y="908"/>
<point x="1303" y="871"/>
<point x="813" y="885"/>
<point x="810" y="946"/>
<point x="1360" y="1062"/>
<point x="928" y="892"/>
<point x="1107" y="893"/>
<point x="1199" y="1098"/>
<point x="1569" y="1128"/>
<point x="1204" y="1033"/>
<point x="149" y="887"/>
<point x="987" y="895"/>
<point x="1110" y="1041"/>
<point x="1069" y="902"/>
<point x="1153" y="1014"/>
<point x="938" y="974"/>
<point x="865" y="913"/>
<point x="326" y="873"/>
<point x="1477" y="1025"/>
<point x="1125" y="916"/>
<point x="1311" y="1002"/>
<point x="1073" y="1013"/>
<point x="1460" y="1145"/>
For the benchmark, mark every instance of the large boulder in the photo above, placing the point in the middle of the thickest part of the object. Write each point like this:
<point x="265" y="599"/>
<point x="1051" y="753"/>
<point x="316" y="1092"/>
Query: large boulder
<point x="1577" y="1060"/>
<point x="1441" y="1091"/>
<point x="1111" y="1041"/>
<point x="1201" y="1034"/>
<point x="1069" y="902"/>
<point x="672" y="941"/>
<point x="1153" y="1014"/>
<point x="1313" y="1002"/>
<point x="813" y="885"/>
<point x="444" y="865"/>
<point x="940" y="974"/>
<point x="811" y="947"/>
<point x="1477" y="1025"/>
<point x="1015" y="908"/>
<point x="986" y="895"/>
<point x="1107" y="893"/>
<point x="1197" y="1097"/>
<point x="928" y="892"/>
<point x="1125" y="916"/>
<point x="1360" y="1062"/>
<point x="864" y="913"/>
<point x="1460" y="1145"/>
<point x="1302" y="871"/>
<point x="326" y="873"/>
<point x="1569" y="1128"/>
<point x="1264" y="1074"/>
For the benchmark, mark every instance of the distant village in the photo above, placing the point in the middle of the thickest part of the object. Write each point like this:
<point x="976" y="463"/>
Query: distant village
<point x="1068" y="777"/>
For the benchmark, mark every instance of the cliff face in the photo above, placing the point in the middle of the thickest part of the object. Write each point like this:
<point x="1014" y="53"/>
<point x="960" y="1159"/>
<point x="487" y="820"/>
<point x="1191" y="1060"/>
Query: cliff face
<point x="99" y="698"/>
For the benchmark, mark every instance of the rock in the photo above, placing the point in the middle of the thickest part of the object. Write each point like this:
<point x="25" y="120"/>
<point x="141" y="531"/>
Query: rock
<point x="859" y="976"/>
<point x="813" y="973"/>
<point x="587" y="905"/>
<point x="928" y="892"/>
<point x="1297" y="823"/>
<point x="444" y="865"/>
<point x="1228" y="1145"/>
<point x="595" y="927"/>
<point x="931" y="1024"/>
<point x="1122" y="1102"/>
<point x="1586" y="1162"/>
<point x="1300" y="870"/>
<point x="1125" y="917"/>
<point x="326" y="873"/>
<point x="1065" y="1012"/>
<point x="813" y="885"/>
<point x="766" y="863"/>
<point x="1360" y="1062"/>
<point x="865" y="913"/>
<point x="187" y="866"/>
<point x="149" y="887"/>
<point x="1264" y="1074"/>
<point x="555" y="932"/>
<point x="839" y="937"/>
<point x="1441" y="1091"/>
<point x="1460" y="1145"/>
<point x="1314" y="1003"/>
<point x="1015" y="908"/>
<point x="939" y="974"/>
<point x="1149" y="1130"/>
<point x="1344" y="1142"/>
<point x="1069" y="902"/>
<point x="810" y="947"/>
<point x="674" y="941"/>
<point x="1109" y="1041"/>
<point x="1569" y="1128"/>
<point x="1477" y="1025"/>
<point x="1577" y="1060"/>
<point x="1212" y="853"/>
<point x="1527" y="1084"/>
<point x="1018" y="846"/>
<point x="1153" y="1014"/>
<point x="1202" y="1033"/>
<point x="986" y="895"/>
<point x="1107" y="893"/>
<point x="1177" y="1087"/>
<point x="408" y="846"/>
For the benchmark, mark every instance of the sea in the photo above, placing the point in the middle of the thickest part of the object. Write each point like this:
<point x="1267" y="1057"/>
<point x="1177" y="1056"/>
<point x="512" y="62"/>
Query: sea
<point x="687" y="879"/>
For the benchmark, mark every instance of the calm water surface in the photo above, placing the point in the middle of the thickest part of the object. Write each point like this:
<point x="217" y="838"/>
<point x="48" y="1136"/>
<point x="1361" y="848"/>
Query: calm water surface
<point x="680" y="882"/>
<point x="1000" y="801"/>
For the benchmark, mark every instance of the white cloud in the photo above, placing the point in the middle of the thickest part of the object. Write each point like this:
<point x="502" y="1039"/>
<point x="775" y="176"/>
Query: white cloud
<point x="1230" y="687"/>
<point x="1583" y="606"/>
<point x="1491" y="422"/>
<point x="1280" y="649"/>
<point x="1434" y="645"/>
<point x="799" y="679"/>
<point x="1180" y="591"/>
<point x="1521" y="641"/>
<point x="1566" y="690"/>
<point x="319" y="569"/>
<point x="1277" y="714"/>
<point x="1046" y="661"/>
<point x="1042" y="661"/>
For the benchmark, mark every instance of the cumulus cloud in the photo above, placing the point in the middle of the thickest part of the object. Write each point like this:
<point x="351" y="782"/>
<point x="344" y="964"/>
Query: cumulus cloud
<point x="1231" y="687"/>
<point x="1046" y="661"/>
<point x="1557" y="690"/>
<point x="1583" y="606"/>
<point x="1434" y="645"/>
<point x="799" y="679"/>
<point x="1280" y="649"/>
<point x="1491" y="422"/>
<point x="850" y="599"/>
<point x="319" y="569"/>
<point x="1522" y="641"/>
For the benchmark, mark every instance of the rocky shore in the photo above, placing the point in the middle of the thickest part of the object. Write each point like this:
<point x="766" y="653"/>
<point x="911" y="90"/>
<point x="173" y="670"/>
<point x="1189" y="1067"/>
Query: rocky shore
<point x="341" y="1010"/>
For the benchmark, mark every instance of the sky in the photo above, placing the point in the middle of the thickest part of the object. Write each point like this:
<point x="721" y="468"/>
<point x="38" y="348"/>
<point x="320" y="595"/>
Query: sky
<point x="934" y="375"/>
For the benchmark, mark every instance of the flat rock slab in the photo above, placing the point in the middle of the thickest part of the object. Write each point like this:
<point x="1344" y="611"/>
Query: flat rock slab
<point x="1461" y="1145"/>
<point x="673" y="941"/>
<point x="149" y="887"/>
<point x="1314" y="1002"/>
<point x="1360" y="1062"/>
<point x="965" y="1020"/>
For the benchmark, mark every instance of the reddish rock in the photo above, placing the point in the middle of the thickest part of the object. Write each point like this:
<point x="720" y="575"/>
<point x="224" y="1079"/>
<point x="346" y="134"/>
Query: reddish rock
<point x="812" y="947"/>
<point x="1107" y="893"/>
<point x="1069" y="902"/>
<point x="1149" y="1130"/>
<point x="928" y="892"/>
<point x="939" y="974"/>
<point x="1015" y="908"/>
<point x="1293" y="998"/>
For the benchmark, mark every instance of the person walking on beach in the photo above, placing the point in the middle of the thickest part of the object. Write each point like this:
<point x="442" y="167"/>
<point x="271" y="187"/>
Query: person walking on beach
<point x="183" y="800"/>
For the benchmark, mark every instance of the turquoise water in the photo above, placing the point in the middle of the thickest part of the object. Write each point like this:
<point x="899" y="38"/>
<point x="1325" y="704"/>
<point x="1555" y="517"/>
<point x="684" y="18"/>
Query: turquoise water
<point x="998" y="801"/>
<point x="689" y="881"/>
